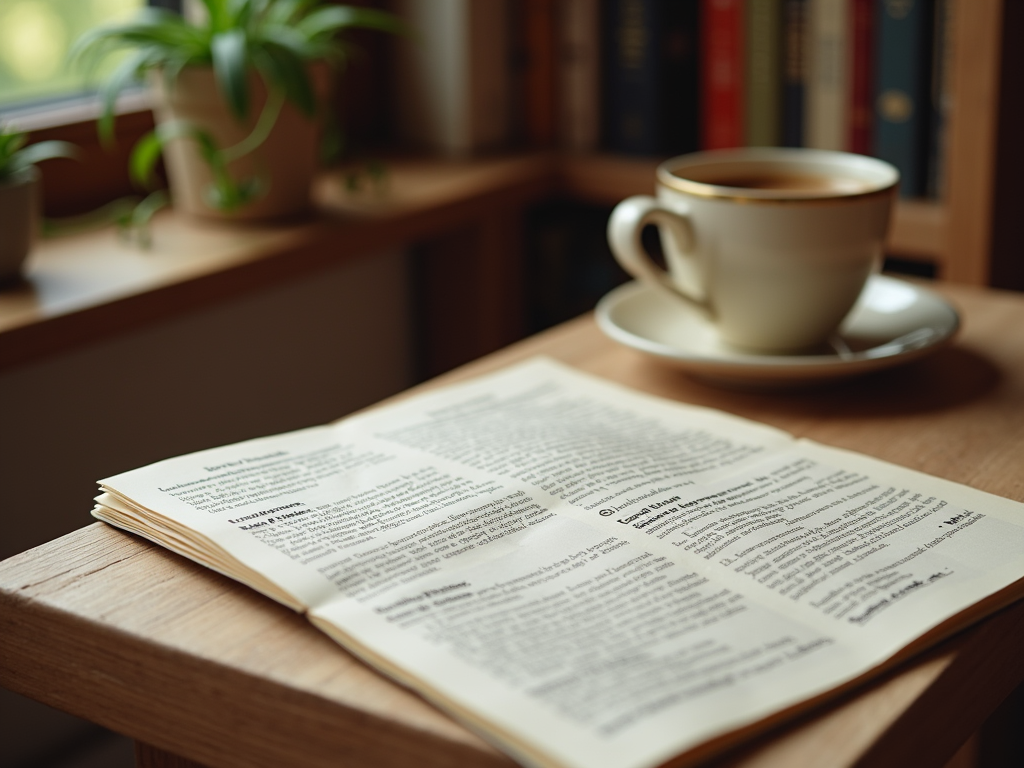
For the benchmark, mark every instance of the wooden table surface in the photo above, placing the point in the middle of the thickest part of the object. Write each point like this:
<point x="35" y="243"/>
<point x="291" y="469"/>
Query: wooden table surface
<point x="124" y="633"/>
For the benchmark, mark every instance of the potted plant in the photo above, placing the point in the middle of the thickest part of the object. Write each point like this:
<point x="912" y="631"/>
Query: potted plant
<point x="237" y="93"/>
<point x="19" y="196"/>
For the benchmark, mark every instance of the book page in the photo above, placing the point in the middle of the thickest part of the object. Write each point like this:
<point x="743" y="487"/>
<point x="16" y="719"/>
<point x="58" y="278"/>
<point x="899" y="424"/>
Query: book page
<point x="586" y="575"/>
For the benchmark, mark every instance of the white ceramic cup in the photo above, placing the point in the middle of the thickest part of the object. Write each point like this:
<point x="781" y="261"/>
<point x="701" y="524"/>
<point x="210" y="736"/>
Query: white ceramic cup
<point x="774" y="244"/>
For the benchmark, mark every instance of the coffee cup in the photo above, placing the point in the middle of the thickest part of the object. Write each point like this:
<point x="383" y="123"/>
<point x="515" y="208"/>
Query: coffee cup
<point x="774" y="245"/>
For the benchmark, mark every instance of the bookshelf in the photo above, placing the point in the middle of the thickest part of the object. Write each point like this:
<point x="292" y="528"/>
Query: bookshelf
<point x="954" y="234"/>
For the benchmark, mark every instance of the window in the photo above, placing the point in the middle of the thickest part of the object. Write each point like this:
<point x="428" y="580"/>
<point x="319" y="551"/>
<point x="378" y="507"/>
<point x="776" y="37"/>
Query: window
<point x="40" y="93"/>
<point x="35" y="36"/>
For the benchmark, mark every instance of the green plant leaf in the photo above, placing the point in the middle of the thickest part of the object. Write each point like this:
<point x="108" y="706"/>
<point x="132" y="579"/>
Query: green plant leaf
<point x="142" y="215"/>
<point x="143" y="159"/>
<point x="285" y="70"/>
<point x="243" y="13"/>
<point x="230" y="66"/>
<point x="277" y="38"/>
<point x="290" y="38"/>
<point x="285" y="12"/>
<point x="10" y="142"/>
<point x="259" y="134"/>
<point x="101" y="40"/>
<point x="147" y="150"/>
<point x="328" y="20"/>
<point x="126" y="71"/>
<point x="37" y="153"/>
<point x="216" y="13"/>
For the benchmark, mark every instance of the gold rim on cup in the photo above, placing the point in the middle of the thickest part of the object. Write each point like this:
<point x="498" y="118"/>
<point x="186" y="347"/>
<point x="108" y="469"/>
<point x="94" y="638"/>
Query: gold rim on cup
<point x="668" y="179"/>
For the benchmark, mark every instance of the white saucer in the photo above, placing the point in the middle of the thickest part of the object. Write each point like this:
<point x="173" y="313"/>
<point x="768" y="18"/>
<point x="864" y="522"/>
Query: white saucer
<point x="892" y="323"/>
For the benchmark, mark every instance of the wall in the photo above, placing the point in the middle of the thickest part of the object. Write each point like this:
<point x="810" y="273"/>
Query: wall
<point x="297" y="355"/>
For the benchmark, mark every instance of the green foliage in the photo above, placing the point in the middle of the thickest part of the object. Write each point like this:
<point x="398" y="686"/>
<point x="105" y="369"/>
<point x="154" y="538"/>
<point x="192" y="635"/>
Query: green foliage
<point x="277" y="38"/>
<point x="16" y="157"/>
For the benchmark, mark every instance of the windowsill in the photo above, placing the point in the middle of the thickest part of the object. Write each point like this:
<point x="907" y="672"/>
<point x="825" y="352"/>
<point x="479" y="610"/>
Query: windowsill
<point x="79" y="109"/>
<point x="82" y="287"/>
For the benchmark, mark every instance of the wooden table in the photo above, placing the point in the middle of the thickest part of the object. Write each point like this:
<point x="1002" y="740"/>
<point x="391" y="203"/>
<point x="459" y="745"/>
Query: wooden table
<point x="111" y="628"/>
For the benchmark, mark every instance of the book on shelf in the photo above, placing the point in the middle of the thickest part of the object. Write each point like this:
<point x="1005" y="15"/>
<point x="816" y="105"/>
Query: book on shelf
<point x="568" y="265"/>
<point x="665" y="77"/>
<point x="453" y="75"/>
<point x="941" y="97"/>
<point x="722" y="68"/>
<point x="794" y="71"/>
<point x="903" y="114"/>
<point x="827" y="108"/>
<point x="764" y="73"/>
<point x="586" y="575"/>
<point x="540" y="78"/>
<point x="579" y="74"/>
<point x="651" y="76"/>
<point x="862" y="76"/>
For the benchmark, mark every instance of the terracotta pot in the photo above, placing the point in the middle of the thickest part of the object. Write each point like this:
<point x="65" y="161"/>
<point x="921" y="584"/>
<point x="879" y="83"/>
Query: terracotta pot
<point x="286" y="161"/>
<point x="19" y="221"/>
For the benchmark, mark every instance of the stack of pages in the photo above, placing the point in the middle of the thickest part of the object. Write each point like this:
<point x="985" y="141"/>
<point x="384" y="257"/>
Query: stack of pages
<point x="586" y="575"/>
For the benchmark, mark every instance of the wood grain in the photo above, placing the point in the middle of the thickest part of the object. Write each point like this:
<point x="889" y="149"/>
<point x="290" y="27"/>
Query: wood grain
<point x="165" y="651"/>
<point x="106" y="626"/>
<point x="148" y="756"/>
<point x="971" y="155"/>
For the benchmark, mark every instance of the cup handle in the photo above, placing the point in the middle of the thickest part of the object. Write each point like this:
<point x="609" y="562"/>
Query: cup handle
<point x="624" y="227"/>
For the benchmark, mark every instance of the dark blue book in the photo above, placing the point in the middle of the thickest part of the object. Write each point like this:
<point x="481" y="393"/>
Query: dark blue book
<point x="941" y="98"/>
<point x="903" y="112"/>
<point x="794" y="71"/>
<point x="650" y="75"/>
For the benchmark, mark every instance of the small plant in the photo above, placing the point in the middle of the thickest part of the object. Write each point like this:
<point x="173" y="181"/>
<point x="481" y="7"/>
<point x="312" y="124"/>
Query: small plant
<point x="17" y="156"/>
<point x="19" y="200"/>
<point x="278" y="39"/>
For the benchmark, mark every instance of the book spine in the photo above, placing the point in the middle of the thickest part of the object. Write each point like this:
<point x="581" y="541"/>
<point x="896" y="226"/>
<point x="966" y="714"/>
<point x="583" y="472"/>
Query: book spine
<point x="633" y="108"/>
<point x="901" y="95"/>
<point x="828" y="92"/>
<point x="941" y="97"/>
<point x="862" y="57"/>
<point x="794" y="72"/>
<point x="579" y="116"/>
<point x="722" y="59"/>
<point x="452" y="84"/>
<point x="679" y="82"/>
<point x="763" y="73"/>
<point x="489" y="74"/>
<point x="539" y="77"/>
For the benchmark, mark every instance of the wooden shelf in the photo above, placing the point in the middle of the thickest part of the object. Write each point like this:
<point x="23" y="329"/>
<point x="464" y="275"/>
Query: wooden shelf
<point x="86" y="286"/>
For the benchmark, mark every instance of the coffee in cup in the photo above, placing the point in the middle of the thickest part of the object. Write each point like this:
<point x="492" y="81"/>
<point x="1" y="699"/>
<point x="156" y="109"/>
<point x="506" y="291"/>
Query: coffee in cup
<point x="775" y="245"/>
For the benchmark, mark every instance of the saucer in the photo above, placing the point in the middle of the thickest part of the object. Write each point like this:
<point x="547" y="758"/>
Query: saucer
<point x="893" y="322"/>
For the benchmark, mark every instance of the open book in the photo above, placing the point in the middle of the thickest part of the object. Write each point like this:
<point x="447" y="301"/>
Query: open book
<point x="586" y="575"/>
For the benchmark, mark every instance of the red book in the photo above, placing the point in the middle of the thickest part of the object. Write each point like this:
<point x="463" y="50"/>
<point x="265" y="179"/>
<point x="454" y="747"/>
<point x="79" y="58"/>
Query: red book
<point x="862" y="55"/>
<point x="722" y="63"/>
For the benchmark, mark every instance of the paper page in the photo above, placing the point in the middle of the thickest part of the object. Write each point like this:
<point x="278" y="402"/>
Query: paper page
<point x="588" y="575"/>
